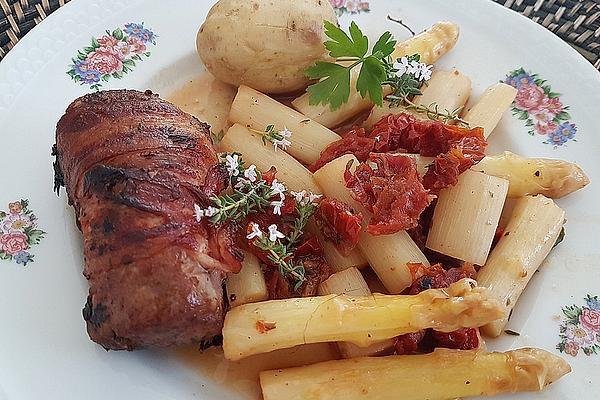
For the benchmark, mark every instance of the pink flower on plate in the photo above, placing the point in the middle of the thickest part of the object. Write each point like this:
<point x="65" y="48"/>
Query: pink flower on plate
<point x="14" y="223"/>
<point x="544" y="124"/>
<point x="136" y="45"/>
<point x="107" y="41"/>
<point x="363" y="5"/>
<point x="15" y="208"/>
<point x="13" y="242"/>
<point x="590" y="320"/>
<point x="530" y="98"/>
<point x="545" y="128"/>
<point x="337" y="3"/>
<point x="552" y="105"/>
<point x="352" y="6"/>
<point x="579" y="335"/>
<point x="571" y="348"/>
<point x="123" y="49"/>
<point x="105" y="60"/>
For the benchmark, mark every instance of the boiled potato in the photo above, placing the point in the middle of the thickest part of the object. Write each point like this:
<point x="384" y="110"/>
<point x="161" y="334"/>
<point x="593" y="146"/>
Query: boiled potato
<point x="263" y="44"/>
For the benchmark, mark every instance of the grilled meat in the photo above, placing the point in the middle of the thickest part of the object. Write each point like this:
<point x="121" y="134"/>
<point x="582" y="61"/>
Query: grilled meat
<point x="133" y="166"/>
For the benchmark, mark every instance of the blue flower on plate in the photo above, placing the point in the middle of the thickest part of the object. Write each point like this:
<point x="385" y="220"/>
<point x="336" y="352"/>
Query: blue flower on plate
<point x="593" y="302"/>
<point x="148" y="36"/>
<point x="133" y="29"/>
<point x="518" y="80"/>
<point x="138" y="31"/>
<point x="87" y="75"/>
<point x="563" y="133"/>
<point x="22" y="257"/>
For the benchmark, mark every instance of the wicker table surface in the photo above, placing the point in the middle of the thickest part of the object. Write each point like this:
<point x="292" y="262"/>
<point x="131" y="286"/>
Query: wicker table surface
<point x="575" y="21"/>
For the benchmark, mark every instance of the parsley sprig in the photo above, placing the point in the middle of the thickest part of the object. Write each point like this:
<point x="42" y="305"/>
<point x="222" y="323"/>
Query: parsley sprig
<point x="334" y="87"/>
<point x="405" y="75"/>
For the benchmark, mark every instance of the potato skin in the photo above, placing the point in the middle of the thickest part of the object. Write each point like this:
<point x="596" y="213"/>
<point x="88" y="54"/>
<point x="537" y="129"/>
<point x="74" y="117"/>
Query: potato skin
<point x="264" y="44"/>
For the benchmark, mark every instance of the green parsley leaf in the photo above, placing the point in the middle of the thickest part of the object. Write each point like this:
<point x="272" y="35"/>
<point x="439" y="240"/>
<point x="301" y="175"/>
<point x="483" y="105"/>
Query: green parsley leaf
<point x="343" y="45"/>
<point x="334" y="89"/>
<point x="385" y="46"/>
<point x="372" y="74"/>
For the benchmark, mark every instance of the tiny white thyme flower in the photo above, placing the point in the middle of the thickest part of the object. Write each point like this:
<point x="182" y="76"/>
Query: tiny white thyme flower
<point x="304" y="198"/>
<point x="274" y="234"/>
<point x="278" y="138"/>
<point x="277" y="207"/>
<point x="312" y="197"/>
<point x="278" y="189"/>
<point x="299" y="196"/>
<point x="199" y="212"/>
<point x="402" y="66"/>
<point x="286" y="133"/>
<point x="210" y="211"/>
<point x="250" y="173"/>
<point x="283" y="143"/>
<point x="233" y="163"/>
<point x="256" y="232"/>
<point x="414" y="69"/>
<point x="425" y="71"/>
<point x="241" y="183"/>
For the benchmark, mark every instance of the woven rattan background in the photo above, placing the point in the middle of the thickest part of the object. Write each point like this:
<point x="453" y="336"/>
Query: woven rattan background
<point x="575" y="21"/>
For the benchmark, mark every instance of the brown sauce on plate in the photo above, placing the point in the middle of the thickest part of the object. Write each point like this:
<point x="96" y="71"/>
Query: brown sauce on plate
<point x="242" y="376"/>
<point x="206" y="98"/>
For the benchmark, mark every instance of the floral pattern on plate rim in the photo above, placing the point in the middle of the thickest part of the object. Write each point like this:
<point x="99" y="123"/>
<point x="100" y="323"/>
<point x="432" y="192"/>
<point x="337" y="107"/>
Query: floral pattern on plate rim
<point x="580" y="328"/>
<point x="112" y="55"/>
<point x="541" y="108"/>
<point x="342" y="7"/>
<point x="18" y="232"/>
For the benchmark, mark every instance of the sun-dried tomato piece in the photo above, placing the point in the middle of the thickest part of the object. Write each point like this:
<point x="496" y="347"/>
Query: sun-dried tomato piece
<point x="397" y="131"/>
<point x="310" y="247"/>
<point x="409" y="343"/>
<point x="269" y="176"/>
<point x="339" y="223"/>
<point x="437" y="277"/>
<point x="462" y="339"/>
<point x="456" y="149"/>
<point x="351" y="143"/>
<point x="316" y="271"/>
<point x="391" y="189"/>
<point x="465" y="152"/>
<point x="264" y="327"/>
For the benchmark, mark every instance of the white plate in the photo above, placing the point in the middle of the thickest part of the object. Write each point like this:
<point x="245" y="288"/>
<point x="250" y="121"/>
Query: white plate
<point x="44" y="348"/>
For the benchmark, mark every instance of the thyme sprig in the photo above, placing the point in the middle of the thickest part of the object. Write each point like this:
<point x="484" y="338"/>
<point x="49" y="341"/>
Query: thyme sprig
<point x="406" y="76"/>
<point x="252" y="194"/>
<point x="280" y="249"/>
<point x="406" y="79"/>
<point x="282" y="257"/>
<point x="432" y="111"/>
<point x="277" y="138"/>
<point x="305" y="208"/>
